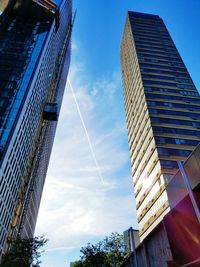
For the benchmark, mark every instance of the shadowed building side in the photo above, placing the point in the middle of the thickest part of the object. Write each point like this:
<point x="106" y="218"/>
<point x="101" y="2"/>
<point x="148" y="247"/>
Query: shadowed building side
<point x="34" y="61"/>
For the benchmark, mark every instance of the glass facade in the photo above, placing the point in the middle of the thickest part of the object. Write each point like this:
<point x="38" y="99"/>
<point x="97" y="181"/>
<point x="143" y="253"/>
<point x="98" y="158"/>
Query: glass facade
<point x="162" y="112"/>
<point x="34" y="63"/>
<point x="17" y="42"/>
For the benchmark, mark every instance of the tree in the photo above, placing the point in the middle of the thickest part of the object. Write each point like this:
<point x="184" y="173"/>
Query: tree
<point x="102" y="253"/>
<point x="24" y="253"/>
<point x="93" y="255"/>
<point x="79" y="264"/>
<point x="115" y="247"/>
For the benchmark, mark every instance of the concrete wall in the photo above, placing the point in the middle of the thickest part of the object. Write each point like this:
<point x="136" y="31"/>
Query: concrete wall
<point x="154" y="251"/>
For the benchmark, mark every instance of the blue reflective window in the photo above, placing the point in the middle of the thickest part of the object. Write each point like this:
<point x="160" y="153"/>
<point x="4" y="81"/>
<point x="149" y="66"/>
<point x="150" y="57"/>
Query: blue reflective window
<point x="162" y="83"/>
<point x="172" y="97"/>
<point x="174" y="121"/>
<point x="177" y="141"/>
<point x="169" y="164"/>
<point x="178" y="59"/>
<point x="172" y="73"/>
<point x="182" y="92"/>
<point x="174" y="112"/>
<point x="178" y="131"/>
<point x="166" y="66"/>
<point x="139" y="42"/>
<point x="175" y="105"/>
<point x="173" y="152"/>
<point x="20" y="48"/>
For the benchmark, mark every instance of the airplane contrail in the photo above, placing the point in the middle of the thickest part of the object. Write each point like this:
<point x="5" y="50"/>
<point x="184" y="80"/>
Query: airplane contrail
<point x="87" y="135"/>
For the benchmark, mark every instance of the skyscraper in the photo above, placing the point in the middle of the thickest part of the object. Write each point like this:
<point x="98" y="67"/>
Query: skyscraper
<point x="34" y="61"/>
<point x="162" y="113"/>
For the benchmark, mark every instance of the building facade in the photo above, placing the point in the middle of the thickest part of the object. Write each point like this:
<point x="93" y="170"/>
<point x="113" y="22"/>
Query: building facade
<point x="131" y="239"/>
<point x="162" y="113"/>
<point x="34" y="61"/>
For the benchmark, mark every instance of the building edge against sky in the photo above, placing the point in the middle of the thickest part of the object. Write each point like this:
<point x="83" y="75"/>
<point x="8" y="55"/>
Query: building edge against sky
<point x="30" y="99"/>
<point x="162" y="113"/>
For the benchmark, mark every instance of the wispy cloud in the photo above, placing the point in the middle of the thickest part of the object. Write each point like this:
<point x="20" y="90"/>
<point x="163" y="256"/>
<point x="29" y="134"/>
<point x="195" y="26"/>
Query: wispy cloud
<point x="86" y="134"/>
<point x="76" y="208"/>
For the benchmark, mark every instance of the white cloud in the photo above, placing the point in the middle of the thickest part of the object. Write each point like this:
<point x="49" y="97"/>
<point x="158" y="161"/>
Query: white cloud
<point x="76" y="207"/>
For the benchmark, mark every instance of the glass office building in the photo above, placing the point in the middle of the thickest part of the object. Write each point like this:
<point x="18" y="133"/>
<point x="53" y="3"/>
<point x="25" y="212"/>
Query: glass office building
<point x="162" y="112"/>
<point x="34" y="61"/>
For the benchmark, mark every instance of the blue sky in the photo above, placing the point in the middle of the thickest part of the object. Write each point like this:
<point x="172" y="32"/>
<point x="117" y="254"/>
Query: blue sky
<point x="76" y="207"/>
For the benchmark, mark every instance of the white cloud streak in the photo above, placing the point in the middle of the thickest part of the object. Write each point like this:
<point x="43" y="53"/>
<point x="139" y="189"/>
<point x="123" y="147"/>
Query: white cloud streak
<point x="75" y="207"/>
<point x="86" y="133"/>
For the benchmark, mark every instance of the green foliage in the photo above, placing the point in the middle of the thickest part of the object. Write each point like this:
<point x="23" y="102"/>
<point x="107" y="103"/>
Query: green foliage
<point x="102" y="253"/>
<point x="79" y="264"/>
<point x="24" y="253"/>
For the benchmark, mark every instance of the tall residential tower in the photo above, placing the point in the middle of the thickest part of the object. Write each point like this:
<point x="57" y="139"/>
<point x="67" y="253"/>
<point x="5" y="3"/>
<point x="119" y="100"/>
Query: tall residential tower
<point x="34" y="61"/>
<point x="162" y="112"/>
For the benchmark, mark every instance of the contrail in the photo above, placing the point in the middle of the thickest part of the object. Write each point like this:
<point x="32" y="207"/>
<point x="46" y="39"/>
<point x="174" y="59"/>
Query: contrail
<point x="87" y="135"/>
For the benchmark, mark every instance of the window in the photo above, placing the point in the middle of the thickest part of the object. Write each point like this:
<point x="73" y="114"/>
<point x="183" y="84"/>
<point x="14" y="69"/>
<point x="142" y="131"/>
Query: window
<point x="178" y="131"/>
<point x="173" y="152"/>
<point x="153" y="111"/>
<point x="168" y="104"/>
<point x="185" y="86"/>
<point x="175" y="121"/>
<point x="151" y="103"/>
<point x="176" y="105"/>
<point x="172" y="97"/>
<point x="175" y="112"/>
<point x="160" y="140"/>
<point x="169" y="164"/>
<point x="179" y="141"/>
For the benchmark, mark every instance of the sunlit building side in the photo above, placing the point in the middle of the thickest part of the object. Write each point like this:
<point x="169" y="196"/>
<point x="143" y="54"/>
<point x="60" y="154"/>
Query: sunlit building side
<point x="162" y="108"/>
